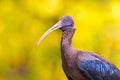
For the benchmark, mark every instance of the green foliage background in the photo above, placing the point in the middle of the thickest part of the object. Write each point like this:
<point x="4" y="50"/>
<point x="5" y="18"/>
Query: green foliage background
<point x="22" y="22"/>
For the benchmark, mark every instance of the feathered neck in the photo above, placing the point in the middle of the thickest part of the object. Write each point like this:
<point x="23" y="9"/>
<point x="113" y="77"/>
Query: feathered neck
<point x="66" y="40"/>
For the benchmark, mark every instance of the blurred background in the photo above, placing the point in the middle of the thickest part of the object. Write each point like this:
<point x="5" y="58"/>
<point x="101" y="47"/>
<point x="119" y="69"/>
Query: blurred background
<point x="22" y="22"/>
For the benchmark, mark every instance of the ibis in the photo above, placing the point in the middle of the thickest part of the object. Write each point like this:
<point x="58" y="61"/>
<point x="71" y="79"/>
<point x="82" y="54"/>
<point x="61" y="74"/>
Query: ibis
<point x="79" y="64"/>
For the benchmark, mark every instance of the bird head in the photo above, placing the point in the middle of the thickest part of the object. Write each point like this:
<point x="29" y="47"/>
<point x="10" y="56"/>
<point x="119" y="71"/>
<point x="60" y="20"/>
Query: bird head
<point x="64" y="23"/>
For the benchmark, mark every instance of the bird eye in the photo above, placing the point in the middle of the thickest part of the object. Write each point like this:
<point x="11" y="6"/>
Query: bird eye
<point x="65" y="19"/>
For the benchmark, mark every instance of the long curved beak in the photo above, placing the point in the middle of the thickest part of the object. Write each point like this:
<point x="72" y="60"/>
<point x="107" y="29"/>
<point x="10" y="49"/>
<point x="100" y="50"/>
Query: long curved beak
<point x="56" y="26"/>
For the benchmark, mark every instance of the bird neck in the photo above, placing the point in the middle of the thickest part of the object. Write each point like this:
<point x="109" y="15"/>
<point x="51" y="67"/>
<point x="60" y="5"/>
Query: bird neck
<point x="67" y="39"/>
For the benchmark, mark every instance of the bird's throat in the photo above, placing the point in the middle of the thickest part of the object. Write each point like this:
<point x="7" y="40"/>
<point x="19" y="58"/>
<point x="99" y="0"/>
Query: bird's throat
<point x="66" y="40"/>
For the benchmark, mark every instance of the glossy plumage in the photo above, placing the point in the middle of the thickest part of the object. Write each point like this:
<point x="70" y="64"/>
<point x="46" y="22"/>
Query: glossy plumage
<point x="98" y="70"/>
<point x="81" y="65"/>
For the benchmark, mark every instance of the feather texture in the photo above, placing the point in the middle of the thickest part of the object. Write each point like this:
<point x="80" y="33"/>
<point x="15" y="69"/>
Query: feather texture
<point x="98" y="70"/>
<point x="83" y="65"/>
<point x="77" y="64"/>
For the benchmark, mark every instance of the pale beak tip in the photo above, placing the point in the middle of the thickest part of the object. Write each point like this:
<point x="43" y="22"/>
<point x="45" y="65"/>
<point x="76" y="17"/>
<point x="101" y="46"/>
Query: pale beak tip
<point x="38" y="43"/>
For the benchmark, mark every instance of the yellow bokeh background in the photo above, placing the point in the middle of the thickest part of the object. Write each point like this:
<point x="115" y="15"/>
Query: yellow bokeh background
<point x="22" y="22"/>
